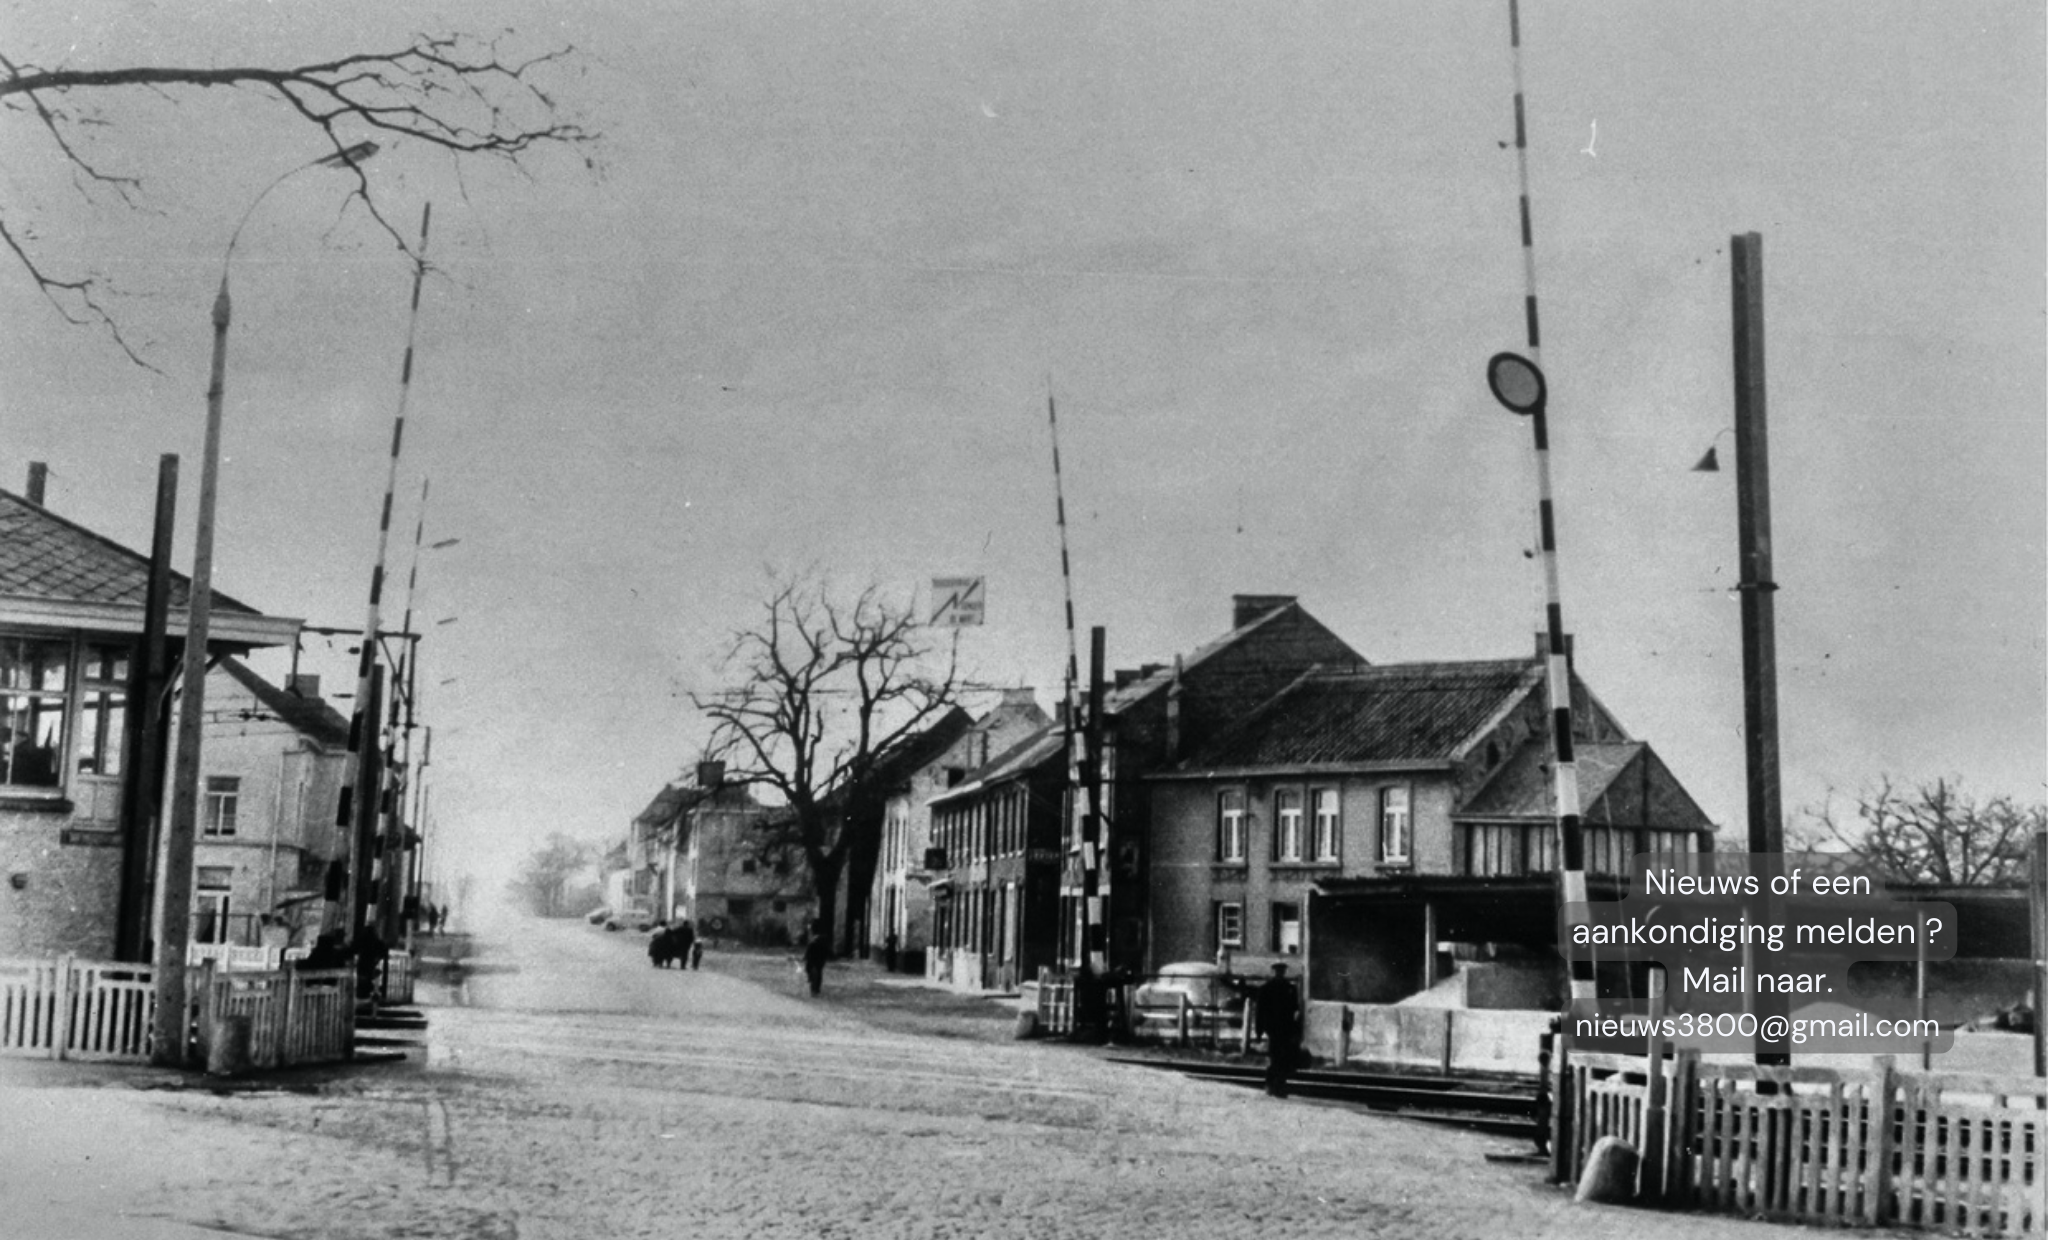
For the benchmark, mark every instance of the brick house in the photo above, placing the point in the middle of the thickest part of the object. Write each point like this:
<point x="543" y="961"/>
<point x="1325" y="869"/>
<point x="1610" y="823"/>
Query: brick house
<point x="71" y="619"/>
<point x="1391" y="824"/>
<point x="272" y="767"/>
<point x="1154" y="715"/>
<point x="995" y="920"/>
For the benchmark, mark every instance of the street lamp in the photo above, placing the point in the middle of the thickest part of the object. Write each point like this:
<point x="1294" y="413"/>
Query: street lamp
<point x="174" y="935"/>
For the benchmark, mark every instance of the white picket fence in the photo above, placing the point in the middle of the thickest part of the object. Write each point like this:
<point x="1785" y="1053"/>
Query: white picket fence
<point x="98" y="1010"/>
<point x="71" y="1009"/>
<point x="231" y="956"/>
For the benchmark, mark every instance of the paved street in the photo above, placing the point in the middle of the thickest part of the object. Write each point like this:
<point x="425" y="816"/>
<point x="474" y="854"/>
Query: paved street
<point x="572" y="1091"/>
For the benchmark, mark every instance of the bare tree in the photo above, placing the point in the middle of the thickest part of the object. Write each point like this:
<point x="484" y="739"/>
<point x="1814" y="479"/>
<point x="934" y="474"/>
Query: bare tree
<point x="1932" y="833"/>
<point x="542" y="885"/>
<point x="823" y="688"/>
<point x="462" y="94"/>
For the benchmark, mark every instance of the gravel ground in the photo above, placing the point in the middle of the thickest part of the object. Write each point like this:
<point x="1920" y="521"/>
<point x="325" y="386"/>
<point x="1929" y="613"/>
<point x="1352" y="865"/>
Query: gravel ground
<point x="568" y="1090"/>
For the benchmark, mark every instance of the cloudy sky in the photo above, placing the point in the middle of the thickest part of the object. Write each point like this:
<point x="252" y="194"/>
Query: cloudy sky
<point x="805" y="312"/>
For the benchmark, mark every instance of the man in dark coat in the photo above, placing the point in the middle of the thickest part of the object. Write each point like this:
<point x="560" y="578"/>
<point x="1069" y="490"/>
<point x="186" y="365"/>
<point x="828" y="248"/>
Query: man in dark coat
<point x="683" y="939"/>
<point x="1278" y="1007"/>
<point x="817" y="950"/>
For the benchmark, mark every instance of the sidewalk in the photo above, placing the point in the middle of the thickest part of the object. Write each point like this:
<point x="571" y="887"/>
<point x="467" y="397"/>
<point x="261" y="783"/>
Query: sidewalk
<point x="87" y="1145"/>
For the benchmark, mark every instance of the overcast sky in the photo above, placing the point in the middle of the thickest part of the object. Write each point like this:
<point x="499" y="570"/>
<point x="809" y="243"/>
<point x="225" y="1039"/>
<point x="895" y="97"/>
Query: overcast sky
<point x="806" y="313"/>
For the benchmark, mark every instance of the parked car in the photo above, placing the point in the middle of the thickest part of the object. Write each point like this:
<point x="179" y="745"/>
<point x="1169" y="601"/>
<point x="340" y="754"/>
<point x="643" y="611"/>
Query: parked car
<point x="1215" y="999"/>
<point x="599" y="915"/>
<point x="633" y="917"/>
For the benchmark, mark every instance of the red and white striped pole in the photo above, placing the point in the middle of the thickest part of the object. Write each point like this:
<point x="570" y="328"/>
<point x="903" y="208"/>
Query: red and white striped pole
<point x="362" y="726"/>
<point x="1571" y="842"/>
<point x="1518" y="383"/>
<point x="1091" y="950"/>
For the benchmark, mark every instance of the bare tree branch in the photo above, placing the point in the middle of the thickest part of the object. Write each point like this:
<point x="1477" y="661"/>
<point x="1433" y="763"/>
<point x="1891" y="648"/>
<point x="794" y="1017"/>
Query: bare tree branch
<point x="456" y="92"/>
<point x="823" y="688"/>
<point x="1933" y="833"/>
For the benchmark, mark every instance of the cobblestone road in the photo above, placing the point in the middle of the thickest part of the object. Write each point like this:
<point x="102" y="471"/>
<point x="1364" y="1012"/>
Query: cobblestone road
<point x="587" y="1095"/>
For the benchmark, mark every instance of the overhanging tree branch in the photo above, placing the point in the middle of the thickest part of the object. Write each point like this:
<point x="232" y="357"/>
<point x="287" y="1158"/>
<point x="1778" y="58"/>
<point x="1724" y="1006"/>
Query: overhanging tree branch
<point x="456" y="92"/>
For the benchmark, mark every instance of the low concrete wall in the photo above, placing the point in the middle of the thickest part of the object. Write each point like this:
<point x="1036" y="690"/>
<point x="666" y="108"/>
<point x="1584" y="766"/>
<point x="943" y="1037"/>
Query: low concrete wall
<point x="1434" y="1039"/>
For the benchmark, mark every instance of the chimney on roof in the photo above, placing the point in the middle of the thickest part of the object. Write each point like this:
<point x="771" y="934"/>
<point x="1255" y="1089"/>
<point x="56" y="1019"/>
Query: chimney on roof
<point x="305" y="685"/>
<point x="1173" y="696"/>
<point x="38" y="475"/>
<point x="1020" y="698"/>
<point x="1543" y="648"/>
<point x="1245" y="608"/>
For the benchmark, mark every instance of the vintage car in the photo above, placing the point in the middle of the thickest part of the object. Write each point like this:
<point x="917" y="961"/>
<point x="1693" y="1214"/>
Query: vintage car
<point x="1213" y="996"/>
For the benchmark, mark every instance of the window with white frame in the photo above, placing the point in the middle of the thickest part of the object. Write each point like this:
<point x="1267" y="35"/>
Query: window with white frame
<point x="1287" y="816"/>
<point x="1394" y="824"/>
<point x="35" y="688"/>
<point x="1229" y="924"/>
<point x="223" y="802"/>
<point x="104" y="710"/>
<point x="1326" y="823"/>
<point x="1230" y="825"/>
<point x="213" y="886"/>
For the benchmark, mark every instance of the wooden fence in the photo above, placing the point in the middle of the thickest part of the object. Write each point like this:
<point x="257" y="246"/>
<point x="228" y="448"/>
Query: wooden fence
<point x="395" y="978"/>
<point x="98" y="1010"/>
<point x="295" y="1016"/>
<point x="232" y="956"/>
<point x="1956" y="1152"/>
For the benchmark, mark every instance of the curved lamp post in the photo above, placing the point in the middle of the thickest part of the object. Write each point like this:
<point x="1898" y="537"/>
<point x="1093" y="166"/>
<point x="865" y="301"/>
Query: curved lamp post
<point x="175" y="933"/>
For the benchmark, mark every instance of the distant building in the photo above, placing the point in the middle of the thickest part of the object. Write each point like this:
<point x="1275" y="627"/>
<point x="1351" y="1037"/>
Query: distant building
<point x="271" y="773"/>
<point x="1393" y="824"/>
<point x="74" y="848"/>
<point x="741" y="876"/>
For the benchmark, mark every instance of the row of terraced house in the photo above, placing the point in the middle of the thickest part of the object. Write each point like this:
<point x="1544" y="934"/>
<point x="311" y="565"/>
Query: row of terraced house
<point x="1272" y="795"/>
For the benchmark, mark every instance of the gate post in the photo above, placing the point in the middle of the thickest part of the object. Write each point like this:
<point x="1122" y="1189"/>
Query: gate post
<point x="67" y="981"/>
<point x="1877" y="1191"/>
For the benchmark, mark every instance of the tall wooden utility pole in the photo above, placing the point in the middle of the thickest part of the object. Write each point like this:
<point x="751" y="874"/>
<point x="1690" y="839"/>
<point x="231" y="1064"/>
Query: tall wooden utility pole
<point x="142" y="769"/>
<point x="1759" y="616"/>
<point x="174" y="876"/>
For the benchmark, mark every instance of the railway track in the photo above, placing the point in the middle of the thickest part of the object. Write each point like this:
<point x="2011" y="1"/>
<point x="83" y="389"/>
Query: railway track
<point x="1484" y="1106"/>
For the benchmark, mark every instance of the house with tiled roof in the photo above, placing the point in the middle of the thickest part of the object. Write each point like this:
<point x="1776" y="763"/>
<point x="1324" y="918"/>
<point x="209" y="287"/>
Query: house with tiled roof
<point x="271" y="771"/>
<point x="74" y="812"/>
<point x="918" y="769"/>
<point x="1151" y="717"/>
<point x="995" y="882"/>
<point x="1391" y="826"/>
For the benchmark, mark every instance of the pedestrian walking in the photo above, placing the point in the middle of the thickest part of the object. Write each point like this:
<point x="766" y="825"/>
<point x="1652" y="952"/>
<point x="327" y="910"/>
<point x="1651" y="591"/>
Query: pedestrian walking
<point x="1278" y="1008"/>
<point x="685" y="944"/>
<point x="817" y="950"/>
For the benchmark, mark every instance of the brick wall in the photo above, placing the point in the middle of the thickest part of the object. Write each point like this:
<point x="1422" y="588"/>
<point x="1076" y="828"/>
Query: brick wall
<point x="69" y="894"/>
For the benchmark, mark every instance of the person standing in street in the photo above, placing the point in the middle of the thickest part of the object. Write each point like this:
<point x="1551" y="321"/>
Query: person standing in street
<point x="1278" y="1008"/>
<point x="817" y="950"/>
